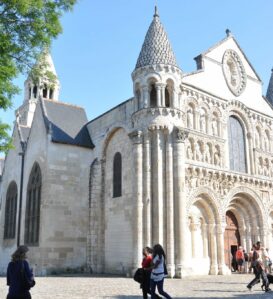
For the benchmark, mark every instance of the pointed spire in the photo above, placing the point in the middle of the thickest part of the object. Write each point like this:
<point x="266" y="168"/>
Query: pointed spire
<point x="269" y="94"/>
<point x="156" y="12"/>
<point x="156" y="48"/>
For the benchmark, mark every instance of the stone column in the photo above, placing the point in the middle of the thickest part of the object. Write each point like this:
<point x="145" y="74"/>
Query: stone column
<point x="205" y="240"/>
<point x="169" y="205"/>
<point x="174" y="99"/>
<point x="163" y="104"/>
<point x="248" y="237"/>
<point x="213" y="250"/>
<point x="222" y="269"/>
<point x="145" y="92"/>
<point x="194" y="226"/>
<point x="251" y="164"/>
<point x="158" y="95"/>
<point x="179" y="199"/>
<point x="147" y="191"/>
<point x="243" y="237"/>
<point x="137" y="138"/>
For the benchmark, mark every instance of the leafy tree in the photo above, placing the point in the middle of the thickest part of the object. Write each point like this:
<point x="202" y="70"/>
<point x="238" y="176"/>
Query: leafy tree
<point x="27" y="27"/>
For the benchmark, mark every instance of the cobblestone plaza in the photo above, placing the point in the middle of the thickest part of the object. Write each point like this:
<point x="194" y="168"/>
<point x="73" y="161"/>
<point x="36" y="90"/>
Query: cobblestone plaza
<point x="232" y="286"/>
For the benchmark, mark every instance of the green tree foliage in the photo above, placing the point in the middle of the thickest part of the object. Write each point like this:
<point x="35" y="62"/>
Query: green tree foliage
<point x="27" y="27"/>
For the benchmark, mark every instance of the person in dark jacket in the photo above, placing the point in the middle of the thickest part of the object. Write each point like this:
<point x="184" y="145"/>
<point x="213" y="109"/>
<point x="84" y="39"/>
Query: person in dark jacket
<point x="17" y="268"/>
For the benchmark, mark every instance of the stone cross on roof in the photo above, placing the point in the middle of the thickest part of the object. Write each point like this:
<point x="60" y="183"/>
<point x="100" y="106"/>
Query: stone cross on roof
<point x="156" y="48"/>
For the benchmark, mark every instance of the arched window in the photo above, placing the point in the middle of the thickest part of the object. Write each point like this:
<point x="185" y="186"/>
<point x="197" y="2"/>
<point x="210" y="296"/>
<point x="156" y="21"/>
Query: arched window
<point x="32" y="221"/>
<point x="237" y="151"/>
<point x="10" y="212"/>
<point x="117" y="175"/>
<point x="35" y="89"/>
<point x="50" y="93"/>
<point x="167" y="98"/>
<point x="138" y="96"/>
<point x="153" y="96"/>
<point x="45" y="92"/>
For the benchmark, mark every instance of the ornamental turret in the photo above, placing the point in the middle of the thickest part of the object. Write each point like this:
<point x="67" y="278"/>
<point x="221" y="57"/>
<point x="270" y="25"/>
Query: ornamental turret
<point x="156" y="76"/>
<point x="46" y="85"/>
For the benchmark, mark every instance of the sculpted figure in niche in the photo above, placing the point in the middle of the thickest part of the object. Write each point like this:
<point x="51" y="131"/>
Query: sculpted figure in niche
<point x="189" y="152"/>
<point x="217" y="157"/>
<point x="271" y="168"/>
<point x="233" y="72"/>
<point x="266" y="143"/>
<point x="266" y="167"/>
<point x="257" y="139"/>
<point x="207" y="154"/>
<point x="202" y="122"/>
<point x="190" y="118"/>
<point x="198" y="153"/>
<point x="260" y="166"/>
<point x="214" y="126"/>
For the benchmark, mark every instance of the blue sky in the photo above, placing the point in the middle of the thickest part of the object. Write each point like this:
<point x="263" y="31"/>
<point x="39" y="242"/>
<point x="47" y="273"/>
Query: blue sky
<point x="101" y="40"/>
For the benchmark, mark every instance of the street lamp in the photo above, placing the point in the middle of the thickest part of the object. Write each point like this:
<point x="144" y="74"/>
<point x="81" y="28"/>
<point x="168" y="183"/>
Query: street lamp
<point x="22" y="154"/>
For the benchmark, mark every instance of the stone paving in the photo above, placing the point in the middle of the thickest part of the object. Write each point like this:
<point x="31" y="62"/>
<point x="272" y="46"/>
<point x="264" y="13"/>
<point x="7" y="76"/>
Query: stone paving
<point x="233" y="286"/>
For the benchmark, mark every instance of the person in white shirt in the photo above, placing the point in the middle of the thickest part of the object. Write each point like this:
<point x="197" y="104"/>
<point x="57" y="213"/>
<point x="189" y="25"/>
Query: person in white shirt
<point x="158" y="272"/>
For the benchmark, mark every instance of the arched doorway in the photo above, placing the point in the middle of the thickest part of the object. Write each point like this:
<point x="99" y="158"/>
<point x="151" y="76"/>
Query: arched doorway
<point x="232" y="238"/>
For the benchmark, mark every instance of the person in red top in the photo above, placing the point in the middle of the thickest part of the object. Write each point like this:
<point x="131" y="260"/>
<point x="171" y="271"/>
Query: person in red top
<point x="240" y="258"/>
<point x="147" y="268"/>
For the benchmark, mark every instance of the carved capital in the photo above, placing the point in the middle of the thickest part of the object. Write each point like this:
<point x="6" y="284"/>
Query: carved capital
<point x="180" y="134"/>
<point x="136" y="136"/>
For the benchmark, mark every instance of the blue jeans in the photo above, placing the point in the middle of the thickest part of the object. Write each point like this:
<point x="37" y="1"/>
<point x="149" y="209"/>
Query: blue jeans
<point x="159" y="285"/>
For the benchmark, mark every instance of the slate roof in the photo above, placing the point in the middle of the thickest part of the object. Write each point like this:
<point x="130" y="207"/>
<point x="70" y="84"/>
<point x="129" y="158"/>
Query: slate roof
<point x="269" y="94"/>
<point x="156" y="48"/>
<point x="66" y="123"/>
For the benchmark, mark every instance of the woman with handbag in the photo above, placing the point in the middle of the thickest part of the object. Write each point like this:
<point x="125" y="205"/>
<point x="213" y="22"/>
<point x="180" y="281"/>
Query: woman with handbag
<point x="146" y="266"/>
<point x="19" y="276"/>
<point x="158" y="272"/>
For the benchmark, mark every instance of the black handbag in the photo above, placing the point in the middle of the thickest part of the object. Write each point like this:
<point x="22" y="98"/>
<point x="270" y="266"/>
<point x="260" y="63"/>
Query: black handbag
<point x="27" y="283"/>
<point x="165" y="269"/>
<point x="138" y="276"/>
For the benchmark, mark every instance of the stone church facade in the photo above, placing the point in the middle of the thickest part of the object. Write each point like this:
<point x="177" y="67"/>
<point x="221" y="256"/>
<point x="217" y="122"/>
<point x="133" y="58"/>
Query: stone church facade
<point x="186" y="162"/>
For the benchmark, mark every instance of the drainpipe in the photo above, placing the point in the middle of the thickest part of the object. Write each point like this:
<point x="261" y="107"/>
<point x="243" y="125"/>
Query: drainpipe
<point x="22" y="154"/>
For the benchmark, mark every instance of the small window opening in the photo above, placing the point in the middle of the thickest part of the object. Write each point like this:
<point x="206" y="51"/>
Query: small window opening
<point x="51" y="94"/>
<point x="45" y="92"/>
<point x="167" y="98"/>
<point x="153" y="96"/>
<point x="35" y="91"/>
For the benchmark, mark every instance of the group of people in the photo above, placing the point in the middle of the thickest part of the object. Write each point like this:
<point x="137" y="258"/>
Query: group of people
<point x="154" y="271"/>
<point x="243" y="261"/>
<point x="259" y="262"/>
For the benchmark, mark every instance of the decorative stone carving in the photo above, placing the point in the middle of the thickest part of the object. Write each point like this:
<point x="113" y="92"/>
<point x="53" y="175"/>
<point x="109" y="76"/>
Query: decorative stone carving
<point x="214" y="127"/>
<point x="190" y="118"/>
<point x="136" y="136"/>
<point x="189" y="152"/>
<point x="180" y="134"/>
<point x="234" y="72"/>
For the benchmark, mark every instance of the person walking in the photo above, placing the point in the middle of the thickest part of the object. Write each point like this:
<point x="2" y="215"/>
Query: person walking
<point x="19" y="276"/>
<point x="146" y="266"/>
<point x="158" y="272"/>
<point x="240" y="259"/>
<point x="258" y="269"/>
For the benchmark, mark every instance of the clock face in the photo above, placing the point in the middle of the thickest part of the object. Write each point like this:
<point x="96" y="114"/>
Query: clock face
<point x="234" y="72"/>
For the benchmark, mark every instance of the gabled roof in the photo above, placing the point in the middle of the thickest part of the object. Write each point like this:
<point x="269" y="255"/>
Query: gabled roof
<point x="156" y="48"/>
<point x="269" y="93"/>
<point x="66" y="123"/>
<point x="229" y="36"/>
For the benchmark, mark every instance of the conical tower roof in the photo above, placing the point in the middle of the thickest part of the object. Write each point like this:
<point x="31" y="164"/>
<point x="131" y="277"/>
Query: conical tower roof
<point x="156" y="48"/>
<point x="269" y="94"/>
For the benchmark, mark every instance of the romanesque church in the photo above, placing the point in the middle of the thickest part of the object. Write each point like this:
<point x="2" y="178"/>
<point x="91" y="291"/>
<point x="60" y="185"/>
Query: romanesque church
<point x="186" y="162"/>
